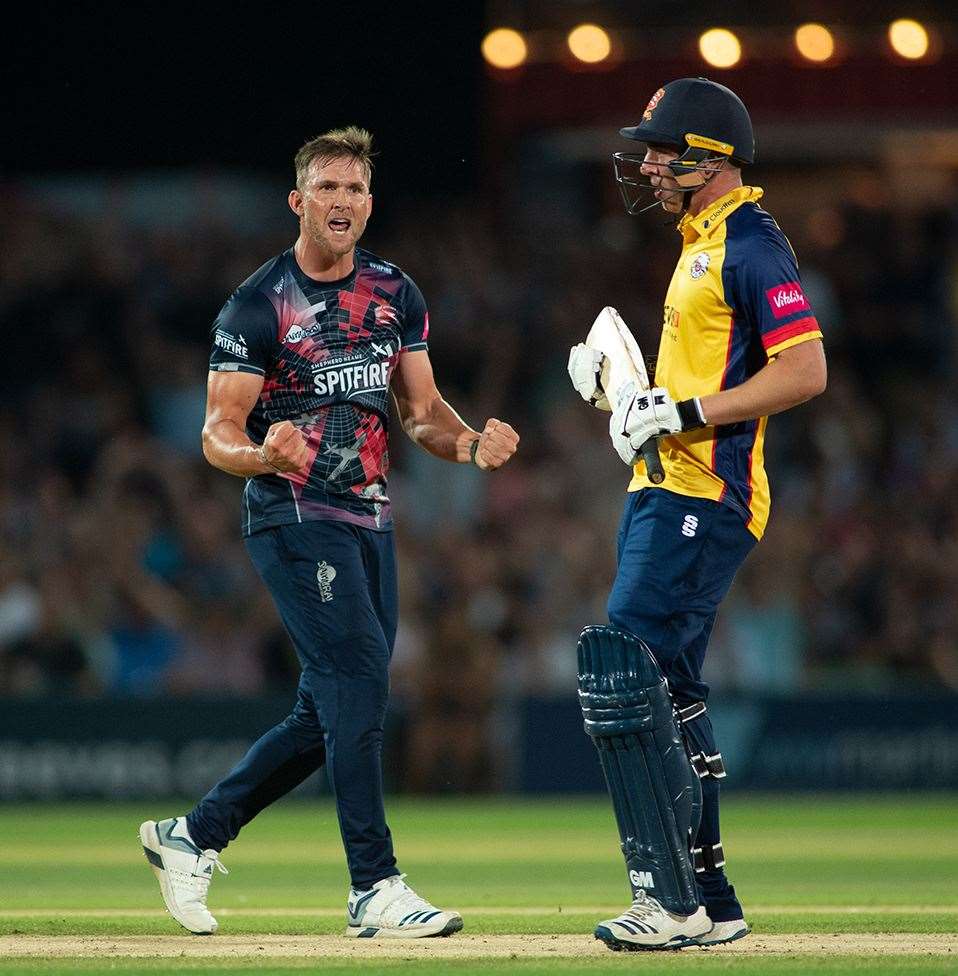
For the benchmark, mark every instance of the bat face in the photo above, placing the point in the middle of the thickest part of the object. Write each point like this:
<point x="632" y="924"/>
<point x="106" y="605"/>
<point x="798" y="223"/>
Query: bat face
<point x="624" y="364"/>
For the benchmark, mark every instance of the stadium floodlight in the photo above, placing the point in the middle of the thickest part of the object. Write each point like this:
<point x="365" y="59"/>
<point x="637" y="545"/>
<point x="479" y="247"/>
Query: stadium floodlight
<point x="589" y="43"/>
<point x="720" y="48"/>
<point x="908" y="38"/>
<point x="815" y="42"/>
<point x="504" y="48"/>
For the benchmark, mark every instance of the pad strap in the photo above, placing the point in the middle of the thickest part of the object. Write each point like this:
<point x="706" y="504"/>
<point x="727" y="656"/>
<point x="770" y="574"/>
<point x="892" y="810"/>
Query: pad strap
<point x="689" y="712"/>
<point x="711" y="857"/>
<point x="708" y="765"/>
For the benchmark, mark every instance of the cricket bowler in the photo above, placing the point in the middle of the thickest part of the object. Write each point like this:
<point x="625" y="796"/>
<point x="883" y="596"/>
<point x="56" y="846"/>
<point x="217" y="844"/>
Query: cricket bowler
<point x="739" y="342"/>
<point x="304" y="357"/>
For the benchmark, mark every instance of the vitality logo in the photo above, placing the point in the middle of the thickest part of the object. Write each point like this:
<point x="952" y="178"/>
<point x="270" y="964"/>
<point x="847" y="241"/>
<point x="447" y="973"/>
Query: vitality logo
<point x="787" y="298"/>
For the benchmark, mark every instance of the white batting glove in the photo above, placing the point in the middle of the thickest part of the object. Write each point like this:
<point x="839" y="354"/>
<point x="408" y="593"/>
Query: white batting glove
<point x="585" y="371"/>
<point x="653" y="413"/>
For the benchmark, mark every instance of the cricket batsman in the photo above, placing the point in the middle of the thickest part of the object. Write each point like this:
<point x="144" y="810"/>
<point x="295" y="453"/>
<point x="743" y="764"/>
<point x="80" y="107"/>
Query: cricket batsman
<point x="739" y="342"/>
<point x="305" y="354"/>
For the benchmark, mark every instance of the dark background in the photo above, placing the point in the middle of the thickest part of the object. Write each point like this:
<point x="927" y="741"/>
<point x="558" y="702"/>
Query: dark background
<point x="147" y="156"/>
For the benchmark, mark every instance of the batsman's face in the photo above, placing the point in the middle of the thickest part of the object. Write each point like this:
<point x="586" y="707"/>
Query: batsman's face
<point x="655" y="167"/>
<point x="334" y="204"/>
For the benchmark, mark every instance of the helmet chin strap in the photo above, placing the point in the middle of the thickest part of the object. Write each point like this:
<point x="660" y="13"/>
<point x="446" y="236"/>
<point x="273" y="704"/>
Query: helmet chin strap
<point x="706" y="175"/>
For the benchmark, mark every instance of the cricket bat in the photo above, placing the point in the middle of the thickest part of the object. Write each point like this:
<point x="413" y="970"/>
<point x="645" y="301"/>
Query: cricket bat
<point x="624" y="364"/>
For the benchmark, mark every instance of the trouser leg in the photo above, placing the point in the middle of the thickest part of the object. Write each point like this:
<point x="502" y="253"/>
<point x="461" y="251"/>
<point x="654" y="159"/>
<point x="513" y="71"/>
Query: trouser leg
<point x="274" y="765"/>
<point x="328" y="580"/>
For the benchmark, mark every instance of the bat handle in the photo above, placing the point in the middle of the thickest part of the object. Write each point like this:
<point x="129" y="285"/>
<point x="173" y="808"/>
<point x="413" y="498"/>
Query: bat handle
<point x="653" y="463"/>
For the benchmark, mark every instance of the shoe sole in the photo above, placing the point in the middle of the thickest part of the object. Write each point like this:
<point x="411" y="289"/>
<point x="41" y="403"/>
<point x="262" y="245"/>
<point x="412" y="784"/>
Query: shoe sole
<point x="616" y="944"/>
<point x="372" y="932"/>
<point x="151" y="848"/>
<point x="740" y="934"/>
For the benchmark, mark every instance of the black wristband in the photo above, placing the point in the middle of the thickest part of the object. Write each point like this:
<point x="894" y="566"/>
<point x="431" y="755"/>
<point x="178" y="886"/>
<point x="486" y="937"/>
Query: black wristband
<point x="473" y="449"/>
<point x="690" y="413"/>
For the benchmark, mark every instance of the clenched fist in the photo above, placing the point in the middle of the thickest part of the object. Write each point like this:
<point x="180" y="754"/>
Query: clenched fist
<point x="497" y="443"/>
<point x="284" y="448"/>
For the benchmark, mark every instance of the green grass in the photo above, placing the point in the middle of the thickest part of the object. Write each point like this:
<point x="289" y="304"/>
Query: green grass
<point x="810" y="864"/>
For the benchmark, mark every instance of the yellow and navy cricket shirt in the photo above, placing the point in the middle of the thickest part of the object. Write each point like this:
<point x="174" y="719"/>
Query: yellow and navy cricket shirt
<point x="734" y="302"/>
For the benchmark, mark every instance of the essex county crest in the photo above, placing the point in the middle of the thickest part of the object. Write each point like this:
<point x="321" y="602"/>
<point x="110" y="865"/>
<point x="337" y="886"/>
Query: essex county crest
<point x="699" y="265"/>
<point x="653" y="102"/>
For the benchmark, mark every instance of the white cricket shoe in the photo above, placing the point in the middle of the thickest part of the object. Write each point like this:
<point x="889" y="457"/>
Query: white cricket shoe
<point x="722" y="932"/>
<point x="647" y="925"/>
<point x="183" y="870"/>
<point x="392" y="910"/>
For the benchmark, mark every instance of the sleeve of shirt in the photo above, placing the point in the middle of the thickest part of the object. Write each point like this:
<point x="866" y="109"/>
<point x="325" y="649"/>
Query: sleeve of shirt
<point x="244" y="335"/>
<point x="415" y="328"/>
<point x="771" y="292"/>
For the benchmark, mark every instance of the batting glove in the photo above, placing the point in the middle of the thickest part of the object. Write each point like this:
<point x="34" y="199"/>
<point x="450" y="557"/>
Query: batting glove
<point x="585" y="371"/>
<point x="652" y="413"/>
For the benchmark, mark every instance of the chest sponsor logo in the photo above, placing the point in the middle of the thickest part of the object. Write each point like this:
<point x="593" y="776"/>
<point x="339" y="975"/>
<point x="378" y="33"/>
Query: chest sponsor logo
<point x="235" y="345"/>
<point x="700" y="264"/>
<point x="325" y="574"/>
<point x="787" y="298"/>
<point x="350" y="377"/>
<point x="297" y="332"/>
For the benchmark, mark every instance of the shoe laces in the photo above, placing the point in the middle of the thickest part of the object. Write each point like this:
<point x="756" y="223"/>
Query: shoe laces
<point x="407" y="901"/>
<point x="200" y="883"/>
<point x="644" y="907"/>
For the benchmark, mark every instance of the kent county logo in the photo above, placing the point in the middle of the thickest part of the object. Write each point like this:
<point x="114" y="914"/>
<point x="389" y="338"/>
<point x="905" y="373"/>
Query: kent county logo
<point x="699" y="265"/>
<point x="385" y="315"/>
<point x="325" y="574"/>
<point x="653" y="102"/>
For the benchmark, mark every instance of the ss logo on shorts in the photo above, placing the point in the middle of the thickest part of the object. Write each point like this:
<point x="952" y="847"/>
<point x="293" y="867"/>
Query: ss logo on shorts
<point x="689" y="526"/>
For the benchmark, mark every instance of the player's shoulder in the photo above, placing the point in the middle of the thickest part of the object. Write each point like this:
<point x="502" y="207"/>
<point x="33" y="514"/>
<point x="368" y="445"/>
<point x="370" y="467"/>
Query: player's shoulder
<point x="268" y="278"/>
<point x="752" y="223"/>
<point x="753" y="236"/>
<point x="379" y="271"/>
<point x="251" y="302"/>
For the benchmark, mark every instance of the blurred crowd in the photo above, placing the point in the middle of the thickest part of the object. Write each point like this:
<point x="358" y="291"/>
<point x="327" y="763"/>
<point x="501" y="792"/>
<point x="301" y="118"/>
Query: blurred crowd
<point x="122" y="570"/>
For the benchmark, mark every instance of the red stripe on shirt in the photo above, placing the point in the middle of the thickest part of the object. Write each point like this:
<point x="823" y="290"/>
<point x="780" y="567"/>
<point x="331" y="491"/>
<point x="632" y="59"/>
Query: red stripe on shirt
<point x="786" y="332"/>
<point x="728" y="360"/>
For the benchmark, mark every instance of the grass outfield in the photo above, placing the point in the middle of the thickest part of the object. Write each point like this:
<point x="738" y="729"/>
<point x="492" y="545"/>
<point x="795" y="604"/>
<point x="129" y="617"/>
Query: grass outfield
<point x="851" y="885"/>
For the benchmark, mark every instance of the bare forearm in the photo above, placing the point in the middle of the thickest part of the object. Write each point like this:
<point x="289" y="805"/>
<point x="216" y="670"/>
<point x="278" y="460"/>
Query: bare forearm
<point x="441" y="431"/>
<point x="781" y="384"/>
<point x="226" y="446"/>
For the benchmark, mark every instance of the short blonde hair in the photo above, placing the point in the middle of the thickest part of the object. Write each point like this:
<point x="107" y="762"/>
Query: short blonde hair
<point x="348" y="143"/>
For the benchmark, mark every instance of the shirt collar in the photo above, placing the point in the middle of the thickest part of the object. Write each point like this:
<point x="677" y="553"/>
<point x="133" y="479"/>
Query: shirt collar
<point x="704" y="223"/>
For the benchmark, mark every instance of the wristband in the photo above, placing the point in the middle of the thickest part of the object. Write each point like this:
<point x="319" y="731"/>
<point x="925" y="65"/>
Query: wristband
<point x="473" y="450"/>
<point x="690" y="413"/>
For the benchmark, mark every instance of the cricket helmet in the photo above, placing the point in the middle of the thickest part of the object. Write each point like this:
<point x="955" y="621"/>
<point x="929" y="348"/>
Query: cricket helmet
<point x="701" y="120"/>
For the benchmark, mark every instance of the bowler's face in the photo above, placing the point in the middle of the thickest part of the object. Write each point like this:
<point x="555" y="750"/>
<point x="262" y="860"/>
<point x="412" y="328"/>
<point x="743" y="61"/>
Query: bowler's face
<point x="335" y="204"/>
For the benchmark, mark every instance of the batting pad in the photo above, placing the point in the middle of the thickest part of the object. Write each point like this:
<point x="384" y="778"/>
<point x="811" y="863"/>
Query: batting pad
<point x="655" y="792"/>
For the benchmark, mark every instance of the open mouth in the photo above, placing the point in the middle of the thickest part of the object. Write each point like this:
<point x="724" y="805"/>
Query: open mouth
<point x="339" y="225"/>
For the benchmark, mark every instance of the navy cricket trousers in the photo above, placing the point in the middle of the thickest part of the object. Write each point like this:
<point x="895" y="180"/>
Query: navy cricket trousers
<point x="677" y="557"/>
<point x="334" y="585"/>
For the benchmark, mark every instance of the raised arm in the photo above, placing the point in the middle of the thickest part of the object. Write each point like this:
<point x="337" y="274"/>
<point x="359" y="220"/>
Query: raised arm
<point x="433" y="424"/>
<point x="229" y="399"/>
